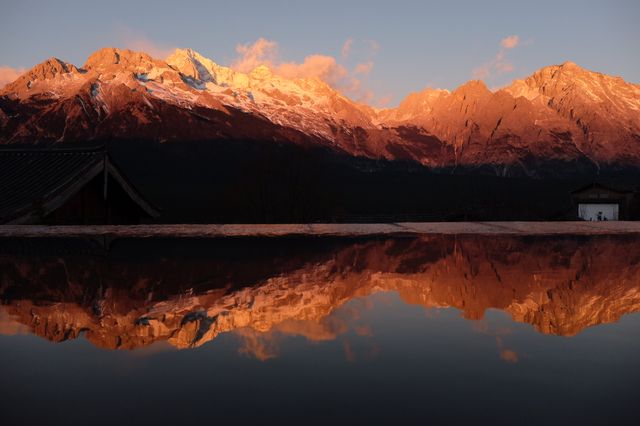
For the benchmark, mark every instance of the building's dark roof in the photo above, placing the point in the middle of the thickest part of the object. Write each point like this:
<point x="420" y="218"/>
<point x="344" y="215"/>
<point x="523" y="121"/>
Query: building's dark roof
<point x="36" y="182"/>
<point x="619" y="189"/>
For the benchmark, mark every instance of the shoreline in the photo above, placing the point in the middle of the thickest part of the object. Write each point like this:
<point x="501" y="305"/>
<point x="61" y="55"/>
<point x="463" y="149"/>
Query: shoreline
<point x="318" y="229"/>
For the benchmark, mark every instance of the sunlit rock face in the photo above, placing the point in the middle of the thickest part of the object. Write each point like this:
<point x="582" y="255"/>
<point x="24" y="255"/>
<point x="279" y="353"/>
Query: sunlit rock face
<point x="561" y="114"/>
<point x="558" y="285"/>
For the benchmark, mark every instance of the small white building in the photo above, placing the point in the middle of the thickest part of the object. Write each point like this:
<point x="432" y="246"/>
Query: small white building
<point x="597" y="202"/>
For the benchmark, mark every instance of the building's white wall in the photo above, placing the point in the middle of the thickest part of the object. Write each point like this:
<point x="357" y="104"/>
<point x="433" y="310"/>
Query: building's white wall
<point x="598" y="211"/>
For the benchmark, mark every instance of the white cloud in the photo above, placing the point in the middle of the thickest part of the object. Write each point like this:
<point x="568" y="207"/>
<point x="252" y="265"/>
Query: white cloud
<point x="510" y="42"/>
<point x="325" y="67"/>
<point x="363" y="68"/>
<point x="346" y="48"/>
<point x="9" y="74"/>
<point x="250" y="56"/>
<point x="499" y="64"/>
<point x="134" y="40"/>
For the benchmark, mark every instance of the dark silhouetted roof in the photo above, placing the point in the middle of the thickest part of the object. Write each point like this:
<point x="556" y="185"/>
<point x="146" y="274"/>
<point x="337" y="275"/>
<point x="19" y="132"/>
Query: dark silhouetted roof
<point x="617" y="189"/>
<point x="36" y="182"/>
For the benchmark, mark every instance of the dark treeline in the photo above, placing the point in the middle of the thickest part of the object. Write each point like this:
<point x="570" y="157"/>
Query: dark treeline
<point x="260" y="182"/>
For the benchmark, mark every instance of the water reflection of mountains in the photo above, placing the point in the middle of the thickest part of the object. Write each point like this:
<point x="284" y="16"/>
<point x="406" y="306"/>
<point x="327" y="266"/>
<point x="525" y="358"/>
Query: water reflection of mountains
<point x="187" y="292"/>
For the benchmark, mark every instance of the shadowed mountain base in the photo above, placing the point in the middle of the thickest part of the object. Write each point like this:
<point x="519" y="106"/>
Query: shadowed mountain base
<point x="253" y="182"/>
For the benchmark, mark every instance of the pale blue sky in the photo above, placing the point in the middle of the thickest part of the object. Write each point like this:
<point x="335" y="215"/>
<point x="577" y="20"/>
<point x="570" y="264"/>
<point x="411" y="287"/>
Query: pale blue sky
<point x="420" y="43"/>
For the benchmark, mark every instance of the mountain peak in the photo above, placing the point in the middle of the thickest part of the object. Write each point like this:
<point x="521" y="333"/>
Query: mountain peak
<point x="192" y="64"/>
<point x="46" y="70"/>
<point x="567" y="68"/>
<point x="570" y="64"/>
<point x="185" y="53"/>
<point x="472" y="87"/>
<point x="261" y="72"/>
<point x="50" y="68"/>
<point x="597" y="113"/>
<point x="110" y="56"/>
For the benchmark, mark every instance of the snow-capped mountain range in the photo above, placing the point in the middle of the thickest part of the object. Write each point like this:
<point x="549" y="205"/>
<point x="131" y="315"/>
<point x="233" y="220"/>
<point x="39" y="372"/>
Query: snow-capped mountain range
<point x="561" y="113"/>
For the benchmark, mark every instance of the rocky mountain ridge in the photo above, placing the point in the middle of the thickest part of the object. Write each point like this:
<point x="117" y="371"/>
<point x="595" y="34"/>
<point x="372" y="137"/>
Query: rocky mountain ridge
<point x="560" y="114"/>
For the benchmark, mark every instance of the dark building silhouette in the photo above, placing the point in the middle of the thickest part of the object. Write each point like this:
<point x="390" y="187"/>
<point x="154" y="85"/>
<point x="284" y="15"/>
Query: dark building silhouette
<point x="596" y="202"/>
<point x="67" y="187"/>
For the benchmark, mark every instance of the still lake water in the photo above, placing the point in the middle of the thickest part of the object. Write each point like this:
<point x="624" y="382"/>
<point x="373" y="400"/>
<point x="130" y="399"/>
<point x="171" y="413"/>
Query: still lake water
<point x="310" y="330"/>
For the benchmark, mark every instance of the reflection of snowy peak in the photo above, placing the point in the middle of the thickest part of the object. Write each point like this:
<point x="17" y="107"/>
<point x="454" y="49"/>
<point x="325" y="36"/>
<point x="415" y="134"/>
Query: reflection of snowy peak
<point x="559" y="288"/>
<point x="560" y="114"/>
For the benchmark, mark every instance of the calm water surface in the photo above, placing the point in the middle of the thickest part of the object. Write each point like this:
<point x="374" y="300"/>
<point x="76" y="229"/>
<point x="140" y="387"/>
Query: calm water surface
<point x="393" y="330"/>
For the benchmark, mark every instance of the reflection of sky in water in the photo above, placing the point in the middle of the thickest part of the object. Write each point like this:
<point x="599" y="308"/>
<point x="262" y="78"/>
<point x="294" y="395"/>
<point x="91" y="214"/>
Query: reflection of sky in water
<point x="381" y="345"/>
<point x="387" y="360"/>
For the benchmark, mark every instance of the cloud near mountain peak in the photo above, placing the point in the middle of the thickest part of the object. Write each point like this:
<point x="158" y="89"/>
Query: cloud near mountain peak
<point x="9" y="74"/>
<point x="499" y="64"/>
<point x="325" y="67"/>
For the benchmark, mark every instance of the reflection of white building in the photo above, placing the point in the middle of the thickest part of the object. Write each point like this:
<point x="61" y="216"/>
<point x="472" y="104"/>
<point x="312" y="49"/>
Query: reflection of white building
<point x="597" y="202"/>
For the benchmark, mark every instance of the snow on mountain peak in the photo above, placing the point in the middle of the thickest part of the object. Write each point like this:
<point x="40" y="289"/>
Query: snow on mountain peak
<point x="189" y="63"/>
<point x="192" y="64"/>
<point x="111" y="57"/>
<point x="598" y="113"/>
<point x="261" y="72"/>
<point x="308" y="105"/>
<point x="40" y="77"/>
